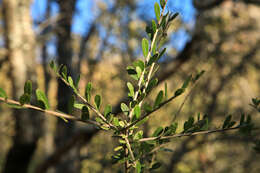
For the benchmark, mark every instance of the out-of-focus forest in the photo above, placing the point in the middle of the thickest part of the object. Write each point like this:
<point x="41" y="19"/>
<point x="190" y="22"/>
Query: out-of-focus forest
<point x="221" y="37"/>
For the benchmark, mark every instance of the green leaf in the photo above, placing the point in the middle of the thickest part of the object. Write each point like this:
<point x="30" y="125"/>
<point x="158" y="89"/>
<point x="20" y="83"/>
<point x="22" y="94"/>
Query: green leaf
<point x="149" y="31"/>
<point x="256" y="101"/>
<point x="88" y="91"/>
<point x="64" y="72"/>
<point x="137" y="111"/>
<point x="188" y="124"/>
<point x="147" y="108"/>
<point x="118" y="148"/>
<point x="158" y="99"/>
<point x="198" y="75"/>
<point x="174" y="127"/>
<point x="3" y="93"/>
<point x="139" y="72"/>
<point x="139" y="63"/>
<point x="138" y="135"/>
<point x="108" y="110"/>
<point x="145" y="47"/>
<point x="205" y="125"/>
<point x="231" y="124"/>
<point x="131" y="90"/>
<point x="70" y="80"/>
<point x="154" y="47"/>
<point x="121" y="124"/>
<point x="15" y="106"/>
<point x="132" y="104"/>
<point x="25" y="98"/>
<point x="77" y="82"/>
<point x="71" y="104"/>
<point x="153" y="59"/>
<point x="124" y="108"/>
<point x="157" y="11"/>
<point x="173" y="16"/>
<point x="99" y="120"/>
<point x="115" y="121"/>
<point x="161" y="53"/>
<point x="179" y="92"/>
<point x="64" y="119"/>
<point x="105" y="127"/>
<point x="157" y="132"/>
<point x="142" y="121"/>
<point x="165" y="91"/>
<point x="171" y="129"/>
<point x="138" y="167"/>
<point x="167" y="150"/>
<point x="155" y="166"/>
<point x="186" y="82"/>
<point x="78" y="105"/>
<point x="162" y="3"/>
<point x="154" y="26"/>
<point x="132" y="72"/>
<point x="151" y="84"/>
<point x="164" y="21"/>
<point x="53" y="66"/>
<point x="84" y="113"/>
<point x="42" y="99"/>
<point x="28" y="87"/>
<point x="98" y="101"/>
<point x="227" y="121"/>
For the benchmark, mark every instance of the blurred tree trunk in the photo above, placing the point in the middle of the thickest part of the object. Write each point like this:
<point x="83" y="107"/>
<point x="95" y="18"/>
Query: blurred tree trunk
<point x="20" y="45"/>
<point x="70" y="162"/>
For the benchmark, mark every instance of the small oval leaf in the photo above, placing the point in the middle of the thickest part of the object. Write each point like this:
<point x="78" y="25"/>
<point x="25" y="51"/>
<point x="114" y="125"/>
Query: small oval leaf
<point x="3" y="93"/>
<point x="108" y="110"/>
<point x="157" y="132"/>
<point x="98" y="101"/>
<point x="157" y="11"/>
<point x="28" y="87"/>
<point x="131" y="90"/>
<point x="124" y="108"/>
<point x="145" y="47"/>
<point x="84" y="113"/>
<point x="88" y="91"/>
<point x="137" y="111"/>
<point x="158" y="99"/>
<point x="42" y="99"/>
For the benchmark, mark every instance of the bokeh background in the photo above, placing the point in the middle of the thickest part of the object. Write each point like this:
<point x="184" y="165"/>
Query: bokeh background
<point x="99" y="39"/>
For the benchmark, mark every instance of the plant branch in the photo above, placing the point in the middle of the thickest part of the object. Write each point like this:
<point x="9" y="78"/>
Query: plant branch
<point x="189" y="134"/>
<point x="99" y="114"/>
<point x="129" y="149"/>
<point x="151" y="68"/>
<point x="149" y="113"/>
<point x="185" y="99"/>
<point x="50" y="112"/>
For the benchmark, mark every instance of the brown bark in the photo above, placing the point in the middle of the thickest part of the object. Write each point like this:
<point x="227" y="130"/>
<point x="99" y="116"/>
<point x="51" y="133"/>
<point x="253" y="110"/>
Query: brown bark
<point x="20" y="45"/>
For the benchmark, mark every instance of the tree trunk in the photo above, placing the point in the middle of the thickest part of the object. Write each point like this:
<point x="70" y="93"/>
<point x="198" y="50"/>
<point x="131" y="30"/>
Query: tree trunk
<point x="20" y="45"/>
<point x="70" y="162"/>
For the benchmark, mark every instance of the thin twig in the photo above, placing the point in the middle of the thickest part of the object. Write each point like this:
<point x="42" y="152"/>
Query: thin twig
<point x="185" y="99"/>
<point x="129" y="149"/>
<point x="99" y="114"/>
<point x="150" y="70"/>
<point x="149" y="113"/>
<point x="188" y="134"/>
<point x="50" y="112"/>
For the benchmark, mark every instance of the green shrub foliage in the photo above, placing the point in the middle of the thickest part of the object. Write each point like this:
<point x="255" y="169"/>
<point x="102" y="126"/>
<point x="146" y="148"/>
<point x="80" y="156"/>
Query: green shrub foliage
<point x="133" y="150"/>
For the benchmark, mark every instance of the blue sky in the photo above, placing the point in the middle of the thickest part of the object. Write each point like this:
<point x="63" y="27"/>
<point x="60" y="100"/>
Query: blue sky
<point x="84" y="15"/>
